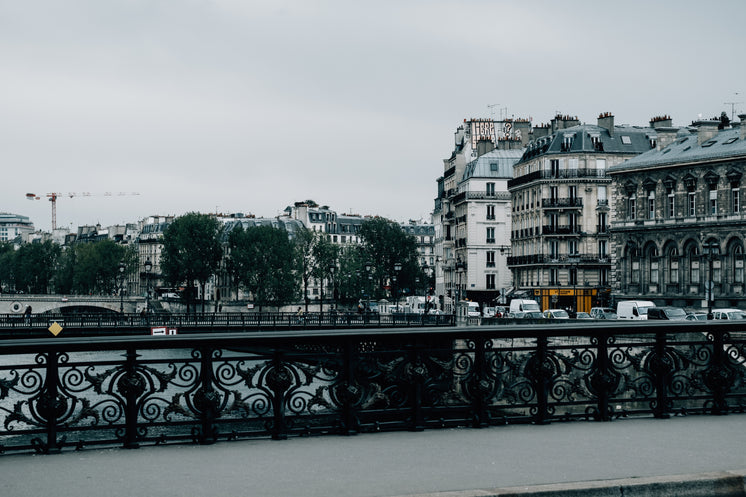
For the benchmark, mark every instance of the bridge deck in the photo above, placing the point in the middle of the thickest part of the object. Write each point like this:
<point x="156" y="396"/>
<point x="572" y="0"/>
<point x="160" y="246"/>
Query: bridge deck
<point x="396" y="464"/>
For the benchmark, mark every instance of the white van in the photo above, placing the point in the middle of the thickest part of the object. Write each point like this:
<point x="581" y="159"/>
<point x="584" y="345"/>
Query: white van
<point x="524" y="305"/>
<point x="472" y="310"/>
<point x="633" y="309"/>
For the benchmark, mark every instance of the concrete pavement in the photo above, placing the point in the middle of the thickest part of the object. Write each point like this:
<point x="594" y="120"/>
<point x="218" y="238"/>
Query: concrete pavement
<point x="575" y="457"/>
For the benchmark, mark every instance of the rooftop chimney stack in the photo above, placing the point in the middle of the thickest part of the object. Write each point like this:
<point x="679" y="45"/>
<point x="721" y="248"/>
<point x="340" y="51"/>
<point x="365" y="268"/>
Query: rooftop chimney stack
<point x="606" y="121"/>
<point x="661" y="122"/>
<point x="706" y="130"/>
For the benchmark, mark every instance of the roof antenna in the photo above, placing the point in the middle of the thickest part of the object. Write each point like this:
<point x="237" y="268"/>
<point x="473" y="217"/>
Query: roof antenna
<point x="733" y="107"/>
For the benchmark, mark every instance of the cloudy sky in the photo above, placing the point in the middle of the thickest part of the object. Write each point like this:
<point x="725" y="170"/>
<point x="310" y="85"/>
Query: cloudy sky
<point x="248" y="106"/>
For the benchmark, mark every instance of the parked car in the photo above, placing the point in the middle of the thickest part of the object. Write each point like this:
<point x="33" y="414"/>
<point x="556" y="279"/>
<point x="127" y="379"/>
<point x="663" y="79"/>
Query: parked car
<point x="732" y="314"/>
<point x="583" y="315"/>
<point x="696" y="316"/>
<point x="556" y="314"/>
<point x="602" y="313"/>
<point x="667" y="313"/>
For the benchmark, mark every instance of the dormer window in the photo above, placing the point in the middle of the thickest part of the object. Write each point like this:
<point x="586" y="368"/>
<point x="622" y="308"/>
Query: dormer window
<point x="567" y="139"/>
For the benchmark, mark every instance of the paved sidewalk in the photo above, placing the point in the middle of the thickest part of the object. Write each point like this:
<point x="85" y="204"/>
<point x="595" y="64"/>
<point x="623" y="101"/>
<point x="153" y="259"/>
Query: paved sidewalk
<point x="390" y="464"/>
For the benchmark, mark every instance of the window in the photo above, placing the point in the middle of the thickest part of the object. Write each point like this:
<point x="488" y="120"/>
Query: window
<point x="738" y="264"/>
<point x="490" y="235"/>
<point x="553" y="276"/>
<point x="490" y="212"/>
<point x="713" y="202"/>
<point x="692" y="204"/>
<point x="554" y="165"/>
<point x="734" y="195"/>
<point x="603" y="276"/>
<point x="572" y="247"/>
<point x="671" y="205"/>
<point x="573" y="191"/>
<point x="602" y="222"/>
<point x="491" y="258"/>
<point x="651" y="204"/>
<point x="572" y="166"/>
<point x="493" y="166"/>
<point x="632" y="206"/>
<point x="553" y="193"/>
<point x="490" y="281"/>
<point x="554" y="249"/>
<point x="602" y="198"/>
<point x="572" y="276"/>
<point x="626" y="140"/>
<point x="603" y="248"/>
<point x="600" y="167"/>
<point x="490" y="188"/>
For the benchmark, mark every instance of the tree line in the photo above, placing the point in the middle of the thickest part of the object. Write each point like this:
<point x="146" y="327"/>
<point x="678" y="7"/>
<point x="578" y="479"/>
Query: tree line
<point x="273" y="268"/>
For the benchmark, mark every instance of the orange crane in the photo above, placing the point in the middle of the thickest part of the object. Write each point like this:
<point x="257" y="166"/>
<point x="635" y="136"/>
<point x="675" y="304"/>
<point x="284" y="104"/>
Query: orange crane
<point x="54" y="196"/>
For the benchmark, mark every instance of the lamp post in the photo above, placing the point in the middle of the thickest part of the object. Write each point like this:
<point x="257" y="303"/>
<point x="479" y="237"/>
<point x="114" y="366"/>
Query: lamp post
<point x="397" y="268"/>
<point x="712" y="249"/>
<point x="122" y="268"/>
<point x="148" y="267"/>
<point x="369" y="269"/>
<point x="459" y="269"/>
<point x="332" y="268"/>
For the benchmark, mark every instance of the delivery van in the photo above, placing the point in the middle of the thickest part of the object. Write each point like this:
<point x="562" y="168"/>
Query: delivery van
<point x="524" y="305"/>
<point x="633" y="309"/>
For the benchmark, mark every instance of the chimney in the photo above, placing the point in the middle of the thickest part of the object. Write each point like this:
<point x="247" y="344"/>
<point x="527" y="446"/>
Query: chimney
<point x="705" y="130"/>
<point x="540" y="131"/>
<point x="661" y="122"/>
<point x="606" y="121"/>
<point x="742" y="117"/>
<point x="484" y="145"/>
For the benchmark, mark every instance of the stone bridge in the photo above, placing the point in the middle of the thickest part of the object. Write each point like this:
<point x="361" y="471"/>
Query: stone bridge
<point x="17" y="303"/>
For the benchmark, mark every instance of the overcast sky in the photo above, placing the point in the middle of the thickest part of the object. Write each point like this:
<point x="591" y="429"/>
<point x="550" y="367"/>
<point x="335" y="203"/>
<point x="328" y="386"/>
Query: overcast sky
<point x="249" y="106"/>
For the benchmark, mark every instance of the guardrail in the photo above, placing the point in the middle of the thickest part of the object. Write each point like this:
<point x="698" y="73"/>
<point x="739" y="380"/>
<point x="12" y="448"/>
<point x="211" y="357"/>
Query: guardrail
<point x="205" y="387"/>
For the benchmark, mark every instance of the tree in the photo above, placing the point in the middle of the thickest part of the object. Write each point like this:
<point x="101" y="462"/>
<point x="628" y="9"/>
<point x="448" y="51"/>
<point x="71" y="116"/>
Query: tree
<point x="191" y="252"/>
<point x="385" y="244"/>
<point x="262" y="259"/>
<point x="304" y="242"/>
<point x="34" y="266"/>
<point x="7" y="257"/>
<point x="325" y="255"/>
<point x="95" y="267"/>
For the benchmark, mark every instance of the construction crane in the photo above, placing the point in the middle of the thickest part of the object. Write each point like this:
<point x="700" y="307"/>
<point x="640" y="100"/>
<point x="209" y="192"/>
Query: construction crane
<point x="52" y="197"/>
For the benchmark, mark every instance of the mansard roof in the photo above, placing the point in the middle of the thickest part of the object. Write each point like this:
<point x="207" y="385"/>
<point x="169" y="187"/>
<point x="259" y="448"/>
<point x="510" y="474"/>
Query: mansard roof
<point x="495" y="164"/>
<point x="590" y="138"/>
<point x="687" y="149"/>
<point x="292" y="226"/>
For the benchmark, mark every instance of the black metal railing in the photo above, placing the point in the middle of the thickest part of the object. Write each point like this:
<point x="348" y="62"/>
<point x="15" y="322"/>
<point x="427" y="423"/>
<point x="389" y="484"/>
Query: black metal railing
<point x="37" y="325"/>
<point x="65" y="393"/>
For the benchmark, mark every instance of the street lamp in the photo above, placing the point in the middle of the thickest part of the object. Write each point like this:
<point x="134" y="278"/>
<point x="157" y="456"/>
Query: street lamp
<point x="122" y="268"/>
<point x="397" y="268"/>
<point x="459" y="269"/>
<point x="712" y="249"/>
<point x="148" y="267"/>
<point x="332" y="268"/>
<point x="369" y="269"/>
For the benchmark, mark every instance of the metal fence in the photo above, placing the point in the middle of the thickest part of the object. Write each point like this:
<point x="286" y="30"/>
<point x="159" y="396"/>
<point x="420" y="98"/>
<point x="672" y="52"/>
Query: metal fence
<point x="36" y="325"/>
<point x="75" y="392"/>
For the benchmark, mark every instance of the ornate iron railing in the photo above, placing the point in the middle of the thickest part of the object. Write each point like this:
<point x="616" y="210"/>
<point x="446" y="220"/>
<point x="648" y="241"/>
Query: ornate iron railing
<point x="129" y="391"/>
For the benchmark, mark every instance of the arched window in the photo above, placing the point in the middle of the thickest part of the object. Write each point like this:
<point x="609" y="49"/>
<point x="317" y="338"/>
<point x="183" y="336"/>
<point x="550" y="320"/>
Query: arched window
<point x="672" y="263"/>
<point x="651" y="259"/>
<point x="691" y="252"/>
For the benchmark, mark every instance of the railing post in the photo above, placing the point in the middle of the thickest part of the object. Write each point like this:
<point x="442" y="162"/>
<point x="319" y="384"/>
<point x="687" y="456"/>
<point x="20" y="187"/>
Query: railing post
<point x="539" y="371"/>
<point x="661" y="367"/>
<point x="49" y="406"/>
<point x="480" y="385"/>
<point x="206" y="399"/>
<point x="602" y="382"/>
<point x="719" y="377"/>
<point x="131" y="386"/>
<point x="351" y="390"/>
<point x="418" y="376"/>
<point x="278" y="380"/>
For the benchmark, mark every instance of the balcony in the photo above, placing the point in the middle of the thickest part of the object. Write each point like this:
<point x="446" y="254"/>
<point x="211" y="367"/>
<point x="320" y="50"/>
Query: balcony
<point x="561" y="203"/>
<point x="562" y="174"/>
<point x="561" y="230"/>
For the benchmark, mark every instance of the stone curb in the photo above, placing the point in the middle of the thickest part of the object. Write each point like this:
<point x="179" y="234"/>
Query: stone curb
<point x="719" y="484"/>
